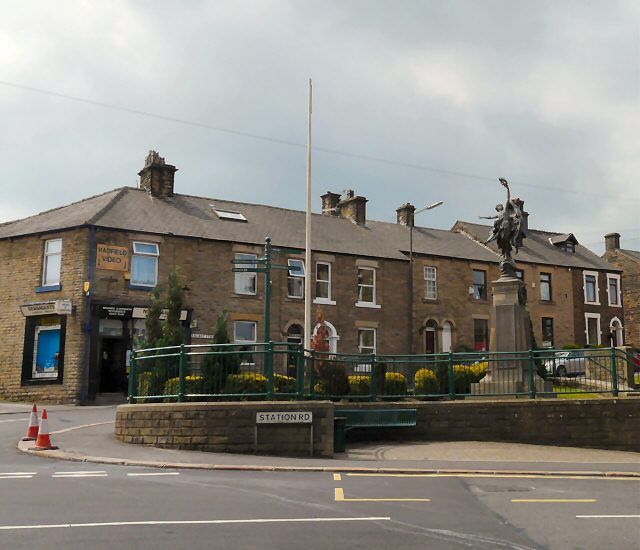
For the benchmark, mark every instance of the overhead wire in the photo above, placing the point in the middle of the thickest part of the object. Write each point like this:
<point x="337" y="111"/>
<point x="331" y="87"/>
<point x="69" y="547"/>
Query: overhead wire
<point x="290" y="143"/>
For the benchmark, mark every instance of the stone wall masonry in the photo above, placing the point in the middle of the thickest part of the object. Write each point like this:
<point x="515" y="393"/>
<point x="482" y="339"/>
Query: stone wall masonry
<point x="226" y="427"/>
<point x="21" y="263"/>
<point x="594" y="423"/>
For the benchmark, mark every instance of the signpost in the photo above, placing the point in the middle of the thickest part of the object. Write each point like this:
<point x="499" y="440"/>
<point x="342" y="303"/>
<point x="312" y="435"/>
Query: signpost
<point x="264" y="265"/>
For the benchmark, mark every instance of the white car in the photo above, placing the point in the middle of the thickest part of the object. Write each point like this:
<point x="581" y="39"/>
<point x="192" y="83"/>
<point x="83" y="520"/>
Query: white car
<point x="566" y="363"/>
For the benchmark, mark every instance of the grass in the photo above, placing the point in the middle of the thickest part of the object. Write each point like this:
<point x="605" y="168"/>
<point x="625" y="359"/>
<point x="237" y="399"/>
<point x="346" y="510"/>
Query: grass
<point x="574" y="394"/>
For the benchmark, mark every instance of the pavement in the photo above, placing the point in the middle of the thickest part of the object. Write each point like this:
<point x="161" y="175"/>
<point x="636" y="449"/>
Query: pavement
<point x="96" y="443"/>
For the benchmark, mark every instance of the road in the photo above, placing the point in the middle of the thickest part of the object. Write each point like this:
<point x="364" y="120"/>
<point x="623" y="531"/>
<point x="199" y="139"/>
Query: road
<point x="57" y="504"/>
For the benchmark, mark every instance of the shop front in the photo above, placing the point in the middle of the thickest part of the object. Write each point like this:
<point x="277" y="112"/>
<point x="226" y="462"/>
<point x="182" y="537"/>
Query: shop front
<point x="116" y="329"/>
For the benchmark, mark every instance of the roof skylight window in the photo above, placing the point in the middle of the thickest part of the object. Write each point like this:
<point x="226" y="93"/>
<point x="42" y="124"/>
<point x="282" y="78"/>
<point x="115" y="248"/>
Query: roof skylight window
<point x="228" y="214"/>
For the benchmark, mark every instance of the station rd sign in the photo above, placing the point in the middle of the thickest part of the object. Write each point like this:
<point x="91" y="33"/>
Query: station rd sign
<point x="289" y="417"/>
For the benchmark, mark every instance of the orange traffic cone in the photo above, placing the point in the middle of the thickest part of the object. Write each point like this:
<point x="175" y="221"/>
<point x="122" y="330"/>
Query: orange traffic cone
<point x="32" y="430"/>
<point x="43" y="443"/>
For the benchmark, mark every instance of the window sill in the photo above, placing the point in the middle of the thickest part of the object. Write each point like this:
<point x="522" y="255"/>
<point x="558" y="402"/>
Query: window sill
<point x="324" y="302"/>
<point x="295" y="298"/>
<point x="615" y="305"/>
<point x="41" y="381"/>
<point x="478" y="300"/>
<point x="546" y="302"/>
<point x="141" y="287"/>
<point x="430" y="301"/>
<point x="48" y="288"/>
<point x="240" y="295"/>
<point x="368" y="305"/>
<point x="591" y="303"/>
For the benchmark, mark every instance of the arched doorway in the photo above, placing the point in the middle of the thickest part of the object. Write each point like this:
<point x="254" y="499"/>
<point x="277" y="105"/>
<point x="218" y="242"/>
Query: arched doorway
<point x="617" y="336"/>
<point x="430" y="340"/>
<point x="333" y="336"/>
<point x="447" y="337"/>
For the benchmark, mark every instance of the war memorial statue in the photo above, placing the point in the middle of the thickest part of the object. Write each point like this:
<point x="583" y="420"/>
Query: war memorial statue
<point x="511" y="329"/>
<point x="508" y="231"/>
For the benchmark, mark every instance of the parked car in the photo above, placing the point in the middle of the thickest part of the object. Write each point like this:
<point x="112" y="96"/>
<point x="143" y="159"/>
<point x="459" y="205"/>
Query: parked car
<point x="566" y="363"/>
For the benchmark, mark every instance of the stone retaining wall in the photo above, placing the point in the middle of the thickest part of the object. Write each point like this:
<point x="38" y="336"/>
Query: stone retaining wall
<point x="596" y="423"/>
<point x="226" y="427"/>
<point x="230" y="427"/>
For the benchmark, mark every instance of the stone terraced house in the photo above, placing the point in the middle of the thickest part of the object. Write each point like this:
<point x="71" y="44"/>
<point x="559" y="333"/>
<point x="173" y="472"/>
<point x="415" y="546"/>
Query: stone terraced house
<point x="77" y="280"/>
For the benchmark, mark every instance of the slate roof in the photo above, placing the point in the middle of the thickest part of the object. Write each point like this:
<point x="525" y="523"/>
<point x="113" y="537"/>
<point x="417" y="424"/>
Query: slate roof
<point x="633" y="254"/>
<point x="133" y="209"/>
<point x="537" y="248"/>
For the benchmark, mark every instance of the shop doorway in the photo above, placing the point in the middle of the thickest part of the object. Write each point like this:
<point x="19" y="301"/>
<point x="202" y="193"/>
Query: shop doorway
<point x="113" y="375"/>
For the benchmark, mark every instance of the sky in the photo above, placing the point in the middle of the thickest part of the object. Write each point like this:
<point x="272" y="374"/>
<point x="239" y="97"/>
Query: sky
<point x="413" y="101"/>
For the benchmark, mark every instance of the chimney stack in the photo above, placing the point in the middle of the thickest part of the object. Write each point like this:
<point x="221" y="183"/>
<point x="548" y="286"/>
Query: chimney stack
<point x="354" y="208"/>
<point x="612" y="241"/>
<point x="330" y="202"/>
<point x="405" y="214"/>
<point x="156" y="176"/>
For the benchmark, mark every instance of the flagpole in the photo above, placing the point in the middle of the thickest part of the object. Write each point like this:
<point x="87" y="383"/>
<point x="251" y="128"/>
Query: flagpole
<point x="307" y="256"/>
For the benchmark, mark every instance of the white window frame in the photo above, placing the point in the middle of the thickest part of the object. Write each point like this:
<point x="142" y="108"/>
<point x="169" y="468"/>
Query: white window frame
<point x="150" y="254"/>
<point x="595" y="316"/>
<point x="584" y="287"/>
<point x="375" y="340"/>
<point x="374" y="303"/>
<point x="328" y="300"/>
<point x="239" y="276"/>
<point x="246" y="359"/>
<point x="617" y="278"/>
<point x="429" y="269"/>
<point x="45" y="263"/>
<point x="295" y="274"/>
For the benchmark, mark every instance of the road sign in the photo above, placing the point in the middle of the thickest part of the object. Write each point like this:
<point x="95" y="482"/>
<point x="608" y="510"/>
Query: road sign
<point x="249" y="270"/>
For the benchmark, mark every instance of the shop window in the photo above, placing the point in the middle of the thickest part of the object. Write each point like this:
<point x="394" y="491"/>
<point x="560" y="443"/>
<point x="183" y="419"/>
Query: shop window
<point x="480" y="334"/>
<point x="295" y="279"/>
<point x="52" y="263"/>
<point x="246" y="283"/>
<point x="43" y="356"/>
<point x="144" y="264"/>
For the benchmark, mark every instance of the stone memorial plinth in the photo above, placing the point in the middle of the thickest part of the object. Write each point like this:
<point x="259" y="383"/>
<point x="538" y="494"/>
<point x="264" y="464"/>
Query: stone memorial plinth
<point x="510" y="343"/>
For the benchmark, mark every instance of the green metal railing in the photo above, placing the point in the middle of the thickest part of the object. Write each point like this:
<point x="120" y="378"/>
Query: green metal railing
<point x="280" y="370"/>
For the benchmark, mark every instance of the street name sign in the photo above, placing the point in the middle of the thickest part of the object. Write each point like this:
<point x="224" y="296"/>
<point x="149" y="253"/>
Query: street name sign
<point x="288" y="417"/>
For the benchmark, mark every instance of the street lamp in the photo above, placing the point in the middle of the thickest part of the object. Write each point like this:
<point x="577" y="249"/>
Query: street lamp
<point x="411" y="223"/>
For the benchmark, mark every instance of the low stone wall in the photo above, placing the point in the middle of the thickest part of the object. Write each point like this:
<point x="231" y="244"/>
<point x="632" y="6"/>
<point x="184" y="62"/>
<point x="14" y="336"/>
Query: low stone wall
<point x="596" y="423"/>
<point x="226" y="427"/>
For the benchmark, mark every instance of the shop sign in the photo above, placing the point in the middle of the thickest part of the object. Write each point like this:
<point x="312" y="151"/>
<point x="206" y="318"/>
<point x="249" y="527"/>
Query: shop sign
<point x="55" y="307"/>
<point x="112" y="257"/>
<point x="302" y="417"/>
<point x="141" y="313"/>
<point x="116" y="312"/>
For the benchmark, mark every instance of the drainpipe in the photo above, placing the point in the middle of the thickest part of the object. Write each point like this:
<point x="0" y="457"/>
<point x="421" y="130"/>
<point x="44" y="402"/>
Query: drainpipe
<point x="84" y="392"/>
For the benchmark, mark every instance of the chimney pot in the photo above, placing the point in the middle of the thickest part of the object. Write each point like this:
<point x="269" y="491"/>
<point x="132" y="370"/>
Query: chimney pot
<point x="404" y="214"/>
<point x="157" y="177"/>
<point x="330" y="203"/>
<point x="612" y="241"/>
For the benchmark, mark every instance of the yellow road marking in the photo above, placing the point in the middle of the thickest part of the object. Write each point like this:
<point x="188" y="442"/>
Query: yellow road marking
<point x="553" y="500"/>
<point x="339" y="496"/>
<point x="506" y="476"/>
<point x="337" y="477"/>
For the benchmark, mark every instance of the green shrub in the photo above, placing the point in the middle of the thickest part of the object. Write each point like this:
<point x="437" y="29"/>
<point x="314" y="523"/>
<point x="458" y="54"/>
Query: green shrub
<point x="465" y="375"/>
<point x="334" y="376"/>
<point x="246" y="382"/>
<point x="359" y="384"/>
<point x="284" y="384"/>
<point x="193" y="384"/>
<point x="426" y="382"/>
<point x="395" y="383"/>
